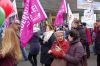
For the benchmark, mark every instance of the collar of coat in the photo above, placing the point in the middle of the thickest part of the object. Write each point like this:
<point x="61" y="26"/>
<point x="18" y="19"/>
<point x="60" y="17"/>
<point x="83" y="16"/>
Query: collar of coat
<point x="75" y="41"/>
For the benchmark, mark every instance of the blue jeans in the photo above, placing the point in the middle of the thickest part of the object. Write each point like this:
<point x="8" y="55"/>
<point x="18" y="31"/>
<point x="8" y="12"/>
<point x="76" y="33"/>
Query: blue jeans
<point x="94" y="48"/>
<point x="24" y="53"/>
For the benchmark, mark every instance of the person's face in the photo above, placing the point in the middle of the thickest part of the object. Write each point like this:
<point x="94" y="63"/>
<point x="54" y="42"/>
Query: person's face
<point x="70" y="38"/>
<point x="74" y="25"/>
<point x="98" y="24"/>
<point x="60" y="37"/>
<point x="18" y="26"/>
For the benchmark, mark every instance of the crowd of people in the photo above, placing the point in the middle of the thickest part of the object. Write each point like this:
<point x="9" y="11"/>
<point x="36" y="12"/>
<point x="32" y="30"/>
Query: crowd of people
<point x="57" y="46"/>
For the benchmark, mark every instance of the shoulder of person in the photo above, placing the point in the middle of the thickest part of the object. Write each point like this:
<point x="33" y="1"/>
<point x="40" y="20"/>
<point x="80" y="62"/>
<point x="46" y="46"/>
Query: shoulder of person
<point x="79" y="44"/>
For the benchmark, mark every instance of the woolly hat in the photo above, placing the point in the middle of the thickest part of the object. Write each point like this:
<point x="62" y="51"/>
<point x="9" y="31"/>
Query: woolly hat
<point x="59" y="33"/>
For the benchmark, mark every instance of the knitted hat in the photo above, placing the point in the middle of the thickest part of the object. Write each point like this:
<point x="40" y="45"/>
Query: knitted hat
<point x="59" y="33"/>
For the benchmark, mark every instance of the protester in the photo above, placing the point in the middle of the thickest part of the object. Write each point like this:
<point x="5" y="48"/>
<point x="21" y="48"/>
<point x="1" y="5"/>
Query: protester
<point x="16" y="27"/>
<point x="10" y="52"/>
<point x="94" y="37"/>
<point x="65" y="29"/>
<point x="34" y="46"/>
<point x="59" y="47"/>
<point x="88" y="39"/>
<point x="76" y="50"/>
<point x="76" y="26"/>
<point x="48" y="39"/>
<point x="97" y="42"/>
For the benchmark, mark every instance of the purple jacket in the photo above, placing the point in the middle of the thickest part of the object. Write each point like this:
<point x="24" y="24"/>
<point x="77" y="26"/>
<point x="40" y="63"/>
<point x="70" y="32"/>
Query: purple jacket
<point x="75" y="54"/>
<point x="34" y="44"/>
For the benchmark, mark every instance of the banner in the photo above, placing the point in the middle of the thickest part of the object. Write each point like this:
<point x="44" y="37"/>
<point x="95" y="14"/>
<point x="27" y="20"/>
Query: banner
<point x="89" y="18"/>
<point x="33" y="13"/>
<point x="70" y="17"/>
<point x="59" y="18"/>
<point x="85" y="4"/>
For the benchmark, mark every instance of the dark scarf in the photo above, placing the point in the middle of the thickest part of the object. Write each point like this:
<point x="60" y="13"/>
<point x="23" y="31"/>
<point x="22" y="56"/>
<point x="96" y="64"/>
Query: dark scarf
<point x="74" y="41"/>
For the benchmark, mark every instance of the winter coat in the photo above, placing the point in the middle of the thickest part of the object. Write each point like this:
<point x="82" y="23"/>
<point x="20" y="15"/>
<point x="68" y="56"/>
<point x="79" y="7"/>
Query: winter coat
<point x="6" y="61"/>
<point x="88" y="35"/>
<point x="64" y="48"/>
<point x="75" y="54"/>
<point x="95" y="32"/>
<point x="97" y="41"/>
<point x="34" y="44"/>
<point x="45" y="58"/>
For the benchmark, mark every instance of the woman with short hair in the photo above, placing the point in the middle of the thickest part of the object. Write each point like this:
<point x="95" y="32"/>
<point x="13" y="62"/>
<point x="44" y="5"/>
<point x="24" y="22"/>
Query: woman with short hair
<point x="76" y="50"/>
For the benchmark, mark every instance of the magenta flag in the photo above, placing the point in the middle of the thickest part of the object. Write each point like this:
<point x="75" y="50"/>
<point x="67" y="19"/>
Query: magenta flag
<point x="59" y="18"/>
<point x="36" y="12"/>
<point x="6" y="22"/>
<point x="24" y="1"/>
<point x="33" y="13"/>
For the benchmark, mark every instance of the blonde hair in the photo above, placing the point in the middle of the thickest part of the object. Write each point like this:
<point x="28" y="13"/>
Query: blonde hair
<point x="10" y="44"/>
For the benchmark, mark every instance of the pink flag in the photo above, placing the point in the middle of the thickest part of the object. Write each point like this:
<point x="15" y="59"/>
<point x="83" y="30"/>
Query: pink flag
<point x="6" y="22"/>
<point x="36" y="11"/>
<point x="33" y="13"/>
<point x="59" y="18"/>
<point x="24" y="1"/>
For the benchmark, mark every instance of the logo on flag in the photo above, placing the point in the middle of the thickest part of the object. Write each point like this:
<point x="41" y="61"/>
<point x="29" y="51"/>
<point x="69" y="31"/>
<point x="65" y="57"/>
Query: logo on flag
<point x="36" y="11"/>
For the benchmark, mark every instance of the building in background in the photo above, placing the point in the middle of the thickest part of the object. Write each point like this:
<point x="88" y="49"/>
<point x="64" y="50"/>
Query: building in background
<point x="51" y="7"/>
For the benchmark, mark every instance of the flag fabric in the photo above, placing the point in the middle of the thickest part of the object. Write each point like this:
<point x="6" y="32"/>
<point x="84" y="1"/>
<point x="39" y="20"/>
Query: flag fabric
<point x="14" y="12"/>
<point x="6" y="22"/>
<point x="70" y="17"/>
<point x="24" y="2"/>
<point x="15" y="7"/>
<point x="36" y="12"/>
<point x="14" y="19"/>
<point x="59" y="18"/>
<point x="33" y="13"/>
<point x="14" y="15"/>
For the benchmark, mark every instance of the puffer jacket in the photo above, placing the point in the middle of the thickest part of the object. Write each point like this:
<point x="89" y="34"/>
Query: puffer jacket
<point x="75" y="54"/>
